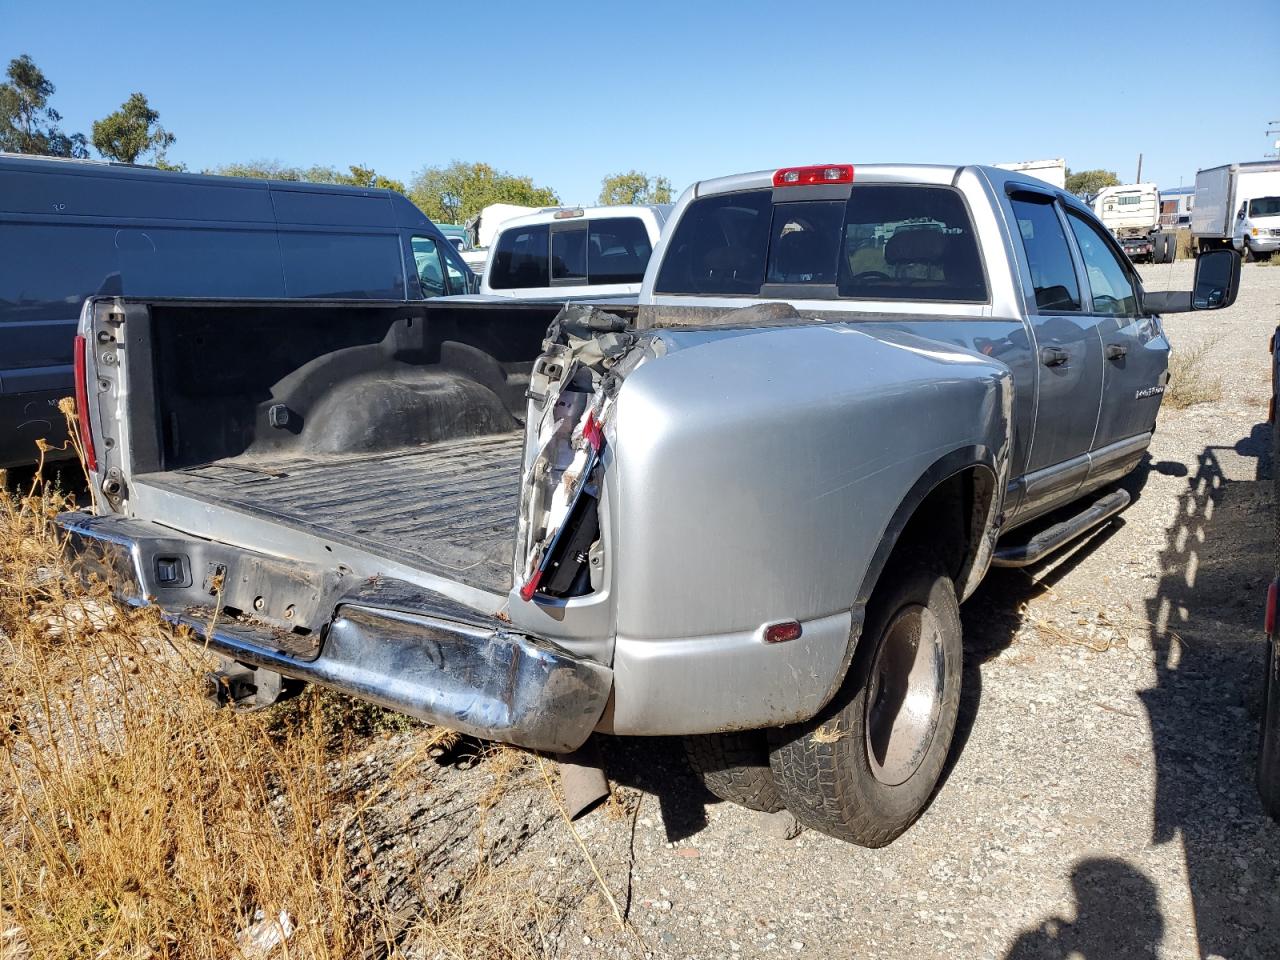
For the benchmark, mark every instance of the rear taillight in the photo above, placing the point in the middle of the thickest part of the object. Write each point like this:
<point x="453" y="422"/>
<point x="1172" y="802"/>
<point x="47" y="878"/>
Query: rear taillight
<point x="82" y="402"/>
<point x="1270" y="618"/>
<point x="814" y="176"/>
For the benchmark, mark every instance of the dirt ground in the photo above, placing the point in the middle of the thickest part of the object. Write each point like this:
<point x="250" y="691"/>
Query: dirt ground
<point x="1101" y="802"/>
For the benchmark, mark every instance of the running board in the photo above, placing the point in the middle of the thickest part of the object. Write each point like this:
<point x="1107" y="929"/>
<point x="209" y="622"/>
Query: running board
<point x="1061" y="533"/>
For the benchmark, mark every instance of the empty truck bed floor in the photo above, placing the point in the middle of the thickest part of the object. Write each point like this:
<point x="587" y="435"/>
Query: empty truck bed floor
<point x="449" y="508"/>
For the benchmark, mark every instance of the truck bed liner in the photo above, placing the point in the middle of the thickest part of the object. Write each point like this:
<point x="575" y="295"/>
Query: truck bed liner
<point x="449" y="508"/>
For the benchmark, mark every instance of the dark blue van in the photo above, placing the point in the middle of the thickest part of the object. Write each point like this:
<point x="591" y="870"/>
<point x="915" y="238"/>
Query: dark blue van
<point x="72" y="229"/>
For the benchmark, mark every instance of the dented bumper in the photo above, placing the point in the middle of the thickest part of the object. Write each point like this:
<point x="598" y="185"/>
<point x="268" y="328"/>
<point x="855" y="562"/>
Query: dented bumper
<point x="385" y="641"/>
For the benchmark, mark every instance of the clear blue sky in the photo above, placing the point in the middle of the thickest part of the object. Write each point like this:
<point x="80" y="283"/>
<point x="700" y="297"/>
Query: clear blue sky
<point x="568" y="92"/>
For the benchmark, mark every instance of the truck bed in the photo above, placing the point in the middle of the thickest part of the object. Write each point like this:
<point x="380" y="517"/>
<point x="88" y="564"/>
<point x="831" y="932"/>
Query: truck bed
<point x="448" y="508"/>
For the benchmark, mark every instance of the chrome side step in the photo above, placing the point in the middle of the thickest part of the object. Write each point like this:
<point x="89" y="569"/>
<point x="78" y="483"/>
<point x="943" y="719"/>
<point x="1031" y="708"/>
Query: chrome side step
<point x="1061" y="533"/>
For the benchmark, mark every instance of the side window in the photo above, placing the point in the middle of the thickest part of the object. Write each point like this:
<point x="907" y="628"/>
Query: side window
<point x="165" y="262"/>
<point x="49" y="271"/>
<point x="461" y="277"/>
<point x="520" y="258"/>
<point x="1053" y="273"/>
<point x="569" y="254"/>
<point x="343" y="265"/>
<point x="426" y="260"/>
<point x="618" y="250"/>
<point x="1109" y="281"/>
<point x="719" y="246"/>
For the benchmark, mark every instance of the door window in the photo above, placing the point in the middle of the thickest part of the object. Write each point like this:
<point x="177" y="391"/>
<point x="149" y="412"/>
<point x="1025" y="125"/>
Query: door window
<point x="1053" y="272"/>
<point x="426" y="260"/>
<point x="343" y="265"/>
<point x="1109" y="282"/>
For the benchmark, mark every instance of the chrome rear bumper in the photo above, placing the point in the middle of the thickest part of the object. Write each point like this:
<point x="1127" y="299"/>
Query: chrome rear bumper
<point x="386" y="641"/>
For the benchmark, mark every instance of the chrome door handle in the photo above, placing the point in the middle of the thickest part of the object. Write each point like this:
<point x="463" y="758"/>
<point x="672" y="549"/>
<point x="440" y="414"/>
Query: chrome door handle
<point x="1117" y="351"/>
<point x="1053" y="356"/>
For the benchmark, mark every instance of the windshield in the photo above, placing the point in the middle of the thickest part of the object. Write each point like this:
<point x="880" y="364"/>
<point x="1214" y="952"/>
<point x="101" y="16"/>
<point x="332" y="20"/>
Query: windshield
<point x="887" y="242"/>
<point x="1264" y="207"/>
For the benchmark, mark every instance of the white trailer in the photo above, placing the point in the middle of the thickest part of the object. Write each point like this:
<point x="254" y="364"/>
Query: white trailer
<point x="1053" y="172"/>
<point x="1236" y="205"/>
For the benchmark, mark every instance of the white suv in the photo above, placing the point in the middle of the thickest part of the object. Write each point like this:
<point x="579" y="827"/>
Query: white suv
<point x="574" y="253"/>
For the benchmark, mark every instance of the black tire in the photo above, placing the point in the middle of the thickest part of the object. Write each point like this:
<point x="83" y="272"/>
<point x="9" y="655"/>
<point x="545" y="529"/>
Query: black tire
<point x="735" y="767"/>
<point x="1269" y="742"/>
<point x="826" y="769"/>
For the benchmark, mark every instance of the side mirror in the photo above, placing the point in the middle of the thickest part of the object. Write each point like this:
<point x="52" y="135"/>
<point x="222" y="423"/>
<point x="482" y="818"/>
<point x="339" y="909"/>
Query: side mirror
<point x="1217" y="281"/>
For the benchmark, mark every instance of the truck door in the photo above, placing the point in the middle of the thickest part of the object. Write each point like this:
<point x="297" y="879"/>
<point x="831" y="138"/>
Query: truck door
<point x="1068" y="355"/>
<point x="1135" y="352"/>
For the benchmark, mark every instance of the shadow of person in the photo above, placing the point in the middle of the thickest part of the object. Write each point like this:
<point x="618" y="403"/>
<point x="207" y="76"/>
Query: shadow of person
<point x="1204" y="621"/>
<point x="1117" y="915"/>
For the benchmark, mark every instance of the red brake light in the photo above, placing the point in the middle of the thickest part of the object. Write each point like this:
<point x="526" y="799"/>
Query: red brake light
<point x="82" y="403"/>
<point x="1270" y="617"/>
<point x="813" y="176"/>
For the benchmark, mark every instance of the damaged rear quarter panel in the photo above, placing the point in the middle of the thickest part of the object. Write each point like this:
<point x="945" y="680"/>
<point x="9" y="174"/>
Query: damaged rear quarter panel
<point x="756" y="472"/>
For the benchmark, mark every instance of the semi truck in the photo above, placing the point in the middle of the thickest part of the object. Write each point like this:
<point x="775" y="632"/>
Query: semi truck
<point x="1237" y="205"/>
<point x="1131" y="212"/>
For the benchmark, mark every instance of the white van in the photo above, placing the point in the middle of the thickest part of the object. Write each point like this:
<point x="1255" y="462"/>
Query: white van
<point x="573" y="253"/>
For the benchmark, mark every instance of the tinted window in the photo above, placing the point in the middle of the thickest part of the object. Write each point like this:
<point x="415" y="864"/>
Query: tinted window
<point x="520" y="258"/>
<point x="48" y="271"/>
<point x="426" y="260"/>
<point x="1265" y="207"/>
<point x="1053" y="273"/>
<point x="909" y="243"/>
<point x="461" y="277"/>
<point x="356" y="266"/>
<point x="1109" y="282"/>
<point x="618" y="250"/>
<point x="719" y="245"/>
<point x="804" y="241"/>
<point x="159" y="262"/>
<point x="569" y="253"/>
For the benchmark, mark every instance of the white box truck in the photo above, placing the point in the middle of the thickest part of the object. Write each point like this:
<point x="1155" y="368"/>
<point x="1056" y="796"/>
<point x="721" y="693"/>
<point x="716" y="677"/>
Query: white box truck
<point x="1238" y="205"/>
<point x="1050" y="171"/>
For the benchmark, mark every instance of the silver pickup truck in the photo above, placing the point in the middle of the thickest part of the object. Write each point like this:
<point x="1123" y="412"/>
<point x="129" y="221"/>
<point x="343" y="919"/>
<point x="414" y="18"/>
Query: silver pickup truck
<point x="744" y="511"/>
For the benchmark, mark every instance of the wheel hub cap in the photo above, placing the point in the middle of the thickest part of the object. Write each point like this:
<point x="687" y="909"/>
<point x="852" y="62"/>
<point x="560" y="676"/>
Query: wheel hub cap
<point x="904" y="699"/>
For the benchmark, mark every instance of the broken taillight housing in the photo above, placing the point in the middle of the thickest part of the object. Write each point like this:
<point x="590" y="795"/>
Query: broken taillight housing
<point x="79" y="362"/>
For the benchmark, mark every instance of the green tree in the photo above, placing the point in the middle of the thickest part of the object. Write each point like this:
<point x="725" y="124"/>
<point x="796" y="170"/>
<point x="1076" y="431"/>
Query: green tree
<point x="131" y="132"/>
<point x="456" y="193"/>
<point x="634" y="187"/>
<point x="27" y="123"/>
<point x="1087" y="183"/>
<point x="357" y="176"/>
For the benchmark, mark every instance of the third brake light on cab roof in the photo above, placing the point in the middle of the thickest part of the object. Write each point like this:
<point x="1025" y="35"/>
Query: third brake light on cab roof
<point x="814" y="176"/>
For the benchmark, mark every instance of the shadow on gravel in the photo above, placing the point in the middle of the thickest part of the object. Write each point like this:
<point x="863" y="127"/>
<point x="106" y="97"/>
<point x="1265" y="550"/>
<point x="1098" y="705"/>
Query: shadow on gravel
<point x="1207" y="643"/>
<point x="1117" y="915"/>
<point x="657" y="765"/>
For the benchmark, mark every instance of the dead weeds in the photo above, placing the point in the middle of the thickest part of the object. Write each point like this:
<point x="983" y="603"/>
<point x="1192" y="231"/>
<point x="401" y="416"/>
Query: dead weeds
<point x="137" y="821"/>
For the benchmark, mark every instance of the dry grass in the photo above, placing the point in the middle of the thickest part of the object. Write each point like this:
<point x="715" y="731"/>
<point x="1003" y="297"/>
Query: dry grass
<point x="136" y="821"/>
<point x="1191" y="376"/>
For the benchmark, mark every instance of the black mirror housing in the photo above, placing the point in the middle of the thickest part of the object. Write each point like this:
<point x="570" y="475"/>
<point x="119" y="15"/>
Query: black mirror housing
<point x="1217" y="282"/>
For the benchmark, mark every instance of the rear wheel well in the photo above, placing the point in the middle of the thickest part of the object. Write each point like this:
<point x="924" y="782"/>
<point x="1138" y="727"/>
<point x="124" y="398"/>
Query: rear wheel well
<point x="950" y="522"/>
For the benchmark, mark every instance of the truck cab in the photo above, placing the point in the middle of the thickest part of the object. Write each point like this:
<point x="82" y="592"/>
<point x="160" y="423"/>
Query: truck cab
<point x="574" y="253"/>
<point x="1257" y="230"/>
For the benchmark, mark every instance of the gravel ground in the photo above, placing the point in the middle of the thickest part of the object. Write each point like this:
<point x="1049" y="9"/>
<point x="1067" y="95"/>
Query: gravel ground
<point x="1101" y="801"/>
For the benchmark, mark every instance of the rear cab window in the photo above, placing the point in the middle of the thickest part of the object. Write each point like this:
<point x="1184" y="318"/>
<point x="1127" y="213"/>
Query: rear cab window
<point x="887" y="242"/>
<point x="571" y="252"/>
